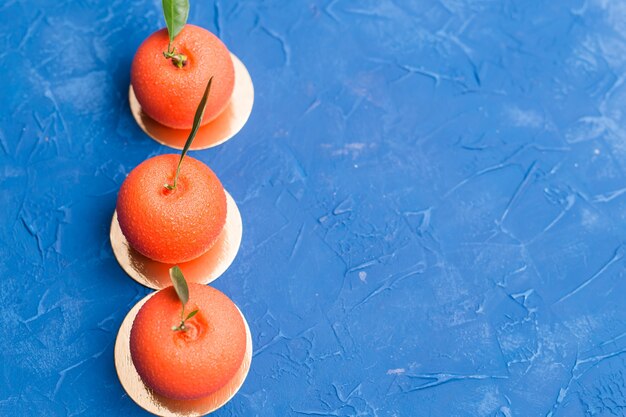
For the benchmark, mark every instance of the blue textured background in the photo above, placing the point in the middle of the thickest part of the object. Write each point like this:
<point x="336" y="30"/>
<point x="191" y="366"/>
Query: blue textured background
<point x="433" y="196"/>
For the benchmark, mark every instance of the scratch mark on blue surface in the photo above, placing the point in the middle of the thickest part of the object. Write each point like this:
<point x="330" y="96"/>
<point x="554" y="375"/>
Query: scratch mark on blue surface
<point x="34" y="234"/>
<point x="271" y="236"/>
<point x="607" y="197"/>
<point x="569" y="203"/>
<point x="364" y="265"/>
<point x="443" y="378"/>
<point x="314" y="104"/>
<point x="390" y="283"/>
<point x="315" y="413"/>
<point x="217" y="18"/>
<point x="3" y="143"/>
<point x="524" y="298"/>
<point x="329" y="12"/>
<point x="617" y="256"/>
<point x="277" y="338"/>
<point x="284" y="46"/>
<point x="48" y="93"/>
<point x="484" y="171"/>
<point x="30" y="30"/>
<point x="613" y="340"/>
<point x="297" y="243"/>
<point x="433" y="75"/>
<point x="344" y="207"/>
<point x="520" y="188"/>
<point x="40" y="308"/>
<point x="62" y="375"/>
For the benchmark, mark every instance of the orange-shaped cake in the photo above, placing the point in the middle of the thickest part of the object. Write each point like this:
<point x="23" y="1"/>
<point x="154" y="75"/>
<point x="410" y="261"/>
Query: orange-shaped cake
<point x="169" y="93"/>
<point x="171" y="225"/>
<point x="193" y="362"/>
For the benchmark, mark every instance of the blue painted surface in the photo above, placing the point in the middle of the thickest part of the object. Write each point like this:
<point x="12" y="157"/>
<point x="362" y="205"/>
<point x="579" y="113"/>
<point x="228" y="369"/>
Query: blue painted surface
<point x="433" y="197"/>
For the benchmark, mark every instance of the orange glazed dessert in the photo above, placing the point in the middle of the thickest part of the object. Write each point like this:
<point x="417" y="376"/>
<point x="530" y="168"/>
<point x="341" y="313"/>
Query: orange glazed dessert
<point x="168" y="76"/>
<point x="188" y="358"/>
<point x="171" y="224"/>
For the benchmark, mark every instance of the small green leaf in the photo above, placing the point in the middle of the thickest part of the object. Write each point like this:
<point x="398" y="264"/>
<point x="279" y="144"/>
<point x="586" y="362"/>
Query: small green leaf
<point x="194" y="130"/>
<point x="180" y="285"/>
<point x="176" y="13"/>
<point x="193" y="313"/>
<point x="197" y="118"/>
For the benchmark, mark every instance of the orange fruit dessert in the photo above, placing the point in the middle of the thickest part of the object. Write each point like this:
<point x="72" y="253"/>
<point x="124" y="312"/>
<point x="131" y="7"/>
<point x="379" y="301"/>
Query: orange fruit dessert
<point x="193" y="362"/>
<point x="171" y="225"/>
<point x="169" y="94"/>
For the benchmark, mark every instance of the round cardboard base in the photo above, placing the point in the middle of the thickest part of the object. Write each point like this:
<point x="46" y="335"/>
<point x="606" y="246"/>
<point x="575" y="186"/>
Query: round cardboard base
<point x="166" y="407"/>
<point x="204" y="269"/>
<point x="216" y="132"/>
